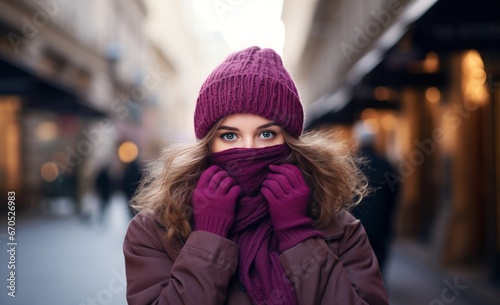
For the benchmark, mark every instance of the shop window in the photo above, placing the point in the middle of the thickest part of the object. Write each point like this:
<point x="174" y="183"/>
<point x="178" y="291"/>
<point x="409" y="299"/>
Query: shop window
<point x="10" y="143"/>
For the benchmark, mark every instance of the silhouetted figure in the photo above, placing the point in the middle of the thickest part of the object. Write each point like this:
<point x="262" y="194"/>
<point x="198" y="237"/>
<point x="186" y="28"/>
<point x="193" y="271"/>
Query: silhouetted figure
<point x="104" y="188"/>
<point x="376" y="210"/>
<point x="131" y="178"/>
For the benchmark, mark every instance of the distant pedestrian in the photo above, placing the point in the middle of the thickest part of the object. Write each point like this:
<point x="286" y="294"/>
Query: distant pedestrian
<point x="104" y="188"/>
<point x="131" y="178"/>
<point x="376" y="211"/>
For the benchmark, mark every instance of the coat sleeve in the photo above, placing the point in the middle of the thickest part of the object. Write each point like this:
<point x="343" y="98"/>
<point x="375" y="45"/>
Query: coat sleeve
<point x="322" y="277"/>
<point x="199" y="275"/>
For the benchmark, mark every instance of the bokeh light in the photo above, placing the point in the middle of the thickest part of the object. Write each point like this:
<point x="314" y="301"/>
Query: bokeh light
<point x="389" y="122"/>
<point x="49" y="171"/>
<point x="128" y="152"/>
<point x="47" y="131"/>
<point x="433" y="94"/>
<point x="371" y="125"/>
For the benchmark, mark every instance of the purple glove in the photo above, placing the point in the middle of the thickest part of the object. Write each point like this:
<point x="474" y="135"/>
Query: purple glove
<point x="214" y="201"/>
<point x="287" y="195"/>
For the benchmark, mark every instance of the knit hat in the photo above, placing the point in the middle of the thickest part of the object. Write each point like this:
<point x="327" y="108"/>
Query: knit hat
<point x="252" y="81"/>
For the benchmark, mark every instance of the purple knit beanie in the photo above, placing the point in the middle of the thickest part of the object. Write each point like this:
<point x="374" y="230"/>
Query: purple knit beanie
<point x="253" y="81"/>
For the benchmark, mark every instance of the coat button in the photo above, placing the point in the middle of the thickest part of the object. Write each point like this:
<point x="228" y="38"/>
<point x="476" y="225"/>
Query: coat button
<point x="242" y="288"/>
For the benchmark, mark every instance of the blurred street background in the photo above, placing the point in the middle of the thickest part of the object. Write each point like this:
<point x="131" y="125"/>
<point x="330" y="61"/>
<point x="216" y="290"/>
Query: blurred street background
<point x="92" y="90"/>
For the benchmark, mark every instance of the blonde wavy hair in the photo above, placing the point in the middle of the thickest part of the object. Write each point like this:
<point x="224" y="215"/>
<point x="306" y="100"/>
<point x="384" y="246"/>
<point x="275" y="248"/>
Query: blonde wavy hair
<point x="328" y="167"/>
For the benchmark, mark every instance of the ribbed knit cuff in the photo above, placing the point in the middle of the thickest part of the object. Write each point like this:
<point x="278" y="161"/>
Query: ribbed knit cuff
<point x="292" y="237"/>
<point x="213" y="224"/>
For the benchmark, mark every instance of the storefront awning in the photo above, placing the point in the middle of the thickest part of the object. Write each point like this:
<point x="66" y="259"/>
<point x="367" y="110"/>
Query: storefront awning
<point x="442" y="27"/>
<point x="325" y="108"/>
<point x="42" y="93"/>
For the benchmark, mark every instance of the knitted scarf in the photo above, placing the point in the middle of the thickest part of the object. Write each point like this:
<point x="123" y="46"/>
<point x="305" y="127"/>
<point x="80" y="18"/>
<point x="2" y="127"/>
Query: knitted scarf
<point x="259" y="270"/>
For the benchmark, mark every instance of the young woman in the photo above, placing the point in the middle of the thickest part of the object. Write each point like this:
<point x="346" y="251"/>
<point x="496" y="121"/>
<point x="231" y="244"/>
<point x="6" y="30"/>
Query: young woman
<point x="254" y="212"/>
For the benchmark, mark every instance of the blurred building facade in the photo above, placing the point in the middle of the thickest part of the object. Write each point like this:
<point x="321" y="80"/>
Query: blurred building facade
<point x="77" y="78"/>
<point x="423" y="76"/>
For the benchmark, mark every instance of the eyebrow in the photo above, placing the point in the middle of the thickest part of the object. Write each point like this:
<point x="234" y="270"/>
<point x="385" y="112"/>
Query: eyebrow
<point x="223" y="127"/>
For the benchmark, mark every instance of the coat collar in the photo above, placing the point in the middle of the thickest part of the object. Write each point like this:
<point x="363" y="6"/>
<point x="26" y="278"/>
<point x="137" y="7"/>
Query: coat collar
<point x="332" y="231"/>
<point x="335" y="230"/>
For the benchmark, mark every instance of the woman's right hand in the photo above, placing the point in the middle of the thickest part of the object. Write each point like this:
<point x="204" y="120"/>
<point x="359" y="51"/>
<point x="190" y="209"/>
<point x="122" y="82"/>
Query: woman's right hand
<point x="214" y="201"/>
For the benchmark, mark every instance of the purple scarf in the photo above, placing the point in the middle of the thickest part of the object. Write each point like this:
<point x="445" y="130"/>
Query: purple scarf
<point x="260" y="270"/>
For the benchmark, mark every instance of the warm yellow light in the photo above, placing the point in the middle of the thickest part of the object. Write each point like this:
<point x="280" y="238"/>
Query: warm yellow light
<point x="49" y="171"/>
<point x="433" y="94"/>
<point x="478" y="76"/>
<point x="480" y="95"/>
<point x="10" y="137"/>
<point x="371" y="125"/>
<point x="382" y="93"/>
<point x="388" y="122"/>
<point x="473" y="78"/>
<point x="431" y="62"/>
<point x="46" y="131"/>
<point x="369" y="113"/>
<point x="128" y="152"/>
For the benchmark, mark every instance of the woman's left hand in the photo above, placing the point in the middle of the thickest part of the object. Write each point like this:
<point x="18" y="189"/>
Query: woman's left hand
<point x="287" y="194"/>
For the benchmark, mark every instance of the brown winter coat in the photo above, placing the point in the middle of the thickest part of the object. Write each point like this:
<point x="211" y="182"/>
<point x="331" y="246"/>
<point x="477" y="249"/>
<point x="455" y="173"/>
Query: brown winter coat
<point x="340" y="269"/>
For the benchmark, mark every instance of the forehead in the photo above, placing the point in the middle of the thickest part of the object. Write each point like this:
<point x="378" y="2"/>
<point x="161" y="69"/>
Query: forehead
<point x="244" y="119"/>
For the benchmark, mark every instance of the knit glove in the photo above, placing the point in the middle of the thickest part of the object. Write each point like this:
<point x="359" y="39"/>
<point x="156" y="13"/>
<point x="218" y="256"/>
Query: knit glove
<point x="214" y="201"/>
<point x="287" y="195"/>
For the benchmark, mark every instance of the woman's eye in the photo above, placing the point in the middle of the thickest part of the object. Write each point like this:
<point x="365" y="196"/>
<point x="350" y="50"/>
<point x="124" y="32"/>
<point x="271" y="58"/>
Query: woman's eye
<point x="228" y="136"/>
<point x="268" y="134"/>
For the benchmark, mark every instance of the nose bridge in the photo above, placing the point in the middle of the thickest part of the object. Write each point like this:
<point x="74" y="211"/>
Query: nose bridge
<point x="249" y="142"/>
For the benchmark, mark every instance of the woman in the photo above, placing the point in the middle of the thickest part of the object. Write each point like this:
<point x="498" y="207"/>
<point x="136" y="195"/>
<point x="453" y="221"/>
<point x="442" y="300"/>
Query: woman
<point x="254" y="213"/>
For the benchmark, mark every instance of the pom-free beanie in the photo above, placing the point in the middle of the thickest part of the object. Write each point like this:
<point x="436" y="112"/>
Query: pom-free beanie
<point x="252" y="81"/>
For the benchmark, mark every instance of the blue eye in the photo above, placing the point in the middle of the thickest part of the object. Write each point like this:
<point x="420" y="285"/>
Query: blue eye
<point x="229" y="136"/>
<point x="267" y="134"/>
